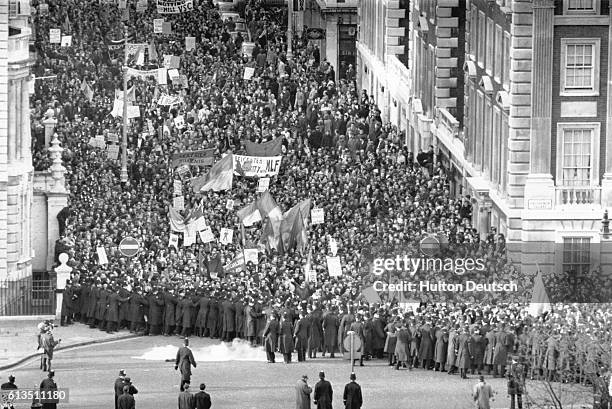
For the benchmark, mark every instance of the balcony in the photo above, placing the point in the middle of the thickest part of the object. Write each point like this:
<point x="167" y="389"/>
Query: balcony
<point x="448" y="122"/>
<point x="578" y="195"/>
<point x="19" y="47"/>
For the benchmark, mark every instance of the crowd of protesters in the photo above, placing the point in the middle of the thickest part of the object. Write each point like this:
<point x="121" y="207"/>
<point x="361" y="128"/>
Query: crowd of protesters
<point x="378" y="198"/>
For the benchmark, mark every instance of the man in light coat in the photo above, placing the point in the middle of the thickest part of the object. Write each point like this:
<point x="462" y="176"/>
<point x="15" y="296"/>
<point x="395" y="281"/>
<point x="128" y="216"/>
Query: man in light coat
<point x="483" y="394"/>
<point x="302" y="393"/>
<point x="184" y="360"/>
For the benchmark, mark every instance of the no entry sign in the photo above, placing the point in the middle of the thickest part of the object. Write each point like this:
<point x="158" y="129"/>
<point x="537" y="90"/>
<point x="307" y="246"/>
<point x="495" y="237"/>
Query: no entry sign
<point x="129" y="247"/>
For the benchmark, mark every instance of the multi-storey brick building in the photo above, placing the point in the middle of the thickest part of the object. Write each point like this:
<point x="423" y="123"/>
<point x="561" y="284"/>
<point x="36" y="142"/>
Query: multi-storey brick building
<point x="517" y="103"/>
<point x="16" y="171"/>
<point x="382" y="56"/>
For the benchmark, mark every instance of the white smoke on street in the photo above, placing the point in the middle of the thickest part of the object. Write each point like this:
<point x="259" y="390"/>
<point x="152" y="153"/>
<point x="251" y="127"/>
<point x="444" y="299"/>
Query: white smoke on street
<point x="238" y="350"/>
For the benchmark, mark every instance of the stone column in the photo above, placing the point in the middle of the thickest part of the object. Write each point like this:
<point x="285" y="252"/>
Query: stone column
<point x="606" y="183"/>
<point x="49" y="122"/>
<point x="26" y="136"/>
<point x="57" y="199"/>
<point x="539" y="185"/>
<point x="17" y="118"/>
<point x="12" y="115"/>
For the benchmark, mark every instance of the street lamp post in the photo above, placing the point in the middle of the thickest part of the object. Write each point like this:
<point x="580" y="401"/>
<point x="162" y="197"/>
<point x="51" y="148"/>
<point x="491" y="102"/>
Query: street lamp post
<point x="124" y="173"/>
<point x="290" y="29"/>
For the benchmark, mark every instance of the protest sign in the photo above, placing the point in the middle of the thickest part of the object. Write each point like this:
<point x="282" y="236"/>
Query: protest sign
<point x="260" y="166"/>
<point x="179" y="203"/>
<point x="179" y="122"/>
<point x="133" y="111"/>
<point x="158" y="25"/>
<point x="204" y="157"/>
<point x="206" y="235"/>
<point x="248" y="73"/>
<point x="183" y="170"/>
<point x="333" y="246"/>
<point x="173" y="74"/>
<point x="162" y="76"/>
<point x="264" y="184"/>
<point x="173" y="242"/>
<point x="235" y="266"/>
<point x="43" y="9"/>
<point x="142" y="74"/>
<point x="182" y="79"/>
<point x="199" y="224"/>
<point x="55" y="36"/>
<point x="226" y="236"/>
<point x="66" y="41"/>
<point x="174" y="6"/>
<point x="189" y="237"/>
<point x="167" y="27"/>
<point x="311" y="276"/>
<point x="112" y="152"/>
<point x="190" y="43"/>
<point x="141" y="6"/>
<point x="178" y="187"/>
<point x="122" y="4"/>
<point x="250" y="255"/>
<point x="102" y="258"/>
<point x="112" y="137"/>
<point x="333" y="266"/>
<point x="229" y="205"/>
<point x="317" y="216"/>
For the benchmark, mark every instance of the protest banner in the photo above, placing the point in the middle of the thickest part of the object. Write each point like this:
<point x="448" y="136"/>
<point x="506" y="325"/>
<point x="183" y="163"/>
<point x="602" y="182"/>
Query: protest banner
<point x="142" y="74"/>
<point x="204" y="157"/>
<point x="158" y="25"/>
<point x="55" y="36"/>
<point x="199" y="224"/>
<point x="174" y="6"/>
<point x="112" y="152"/>
<point x="183" y="170"/>
<point x="235" y="266"/>
<point x="317" y="216"/>
<point x="97" y="142"/>
<point x="66" y="41"/>
<point x="248" y="73"/>
<point x="178" y="203"/>
<point x="250" y="255"/>
<point x="263" y="185"/>
<point x="190" y="43"/>
<point x="168" y="100"/>
<point x="260" y="166"/>
<point x="178" y="187"/>
<point x="102" y="258"/>
<point x="229" y="205"/>
<point x="206" y="235"/>
<point x="333" y="266"/>
<point x="226" y="236"/>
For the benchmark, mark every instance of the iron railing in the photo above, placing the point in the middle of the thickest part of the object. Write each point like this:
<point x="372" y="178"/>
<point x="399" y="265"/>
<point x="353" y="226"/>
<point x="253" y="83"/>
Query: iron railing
<point x="27" y="294"/>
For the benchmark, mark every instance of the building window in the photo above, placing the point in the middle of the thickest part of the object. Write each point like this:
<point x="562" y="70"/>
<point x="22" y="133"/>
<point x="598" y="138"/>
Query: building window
<point x="576" y="254"/>
<point x="505" y="133"/>
<point x="581" y="7"/>
<point x="577" y="154"/>
<point x="495" y="157"/>
<point x="507" y="61"/>
<point x="473" y="32"/>
<point x="482" y="37"/>
<point x="490" y="45"/>
<point x="499" y="48"/>
<point x="488" y="123"/>
<point x="580" y="66"/>
<point x="479" y="127"/>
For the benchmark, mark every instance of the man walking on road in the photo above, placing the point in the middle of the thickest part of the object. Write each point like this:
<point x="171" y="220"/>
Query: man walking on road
<point x="352" y="394"/>
<point x="483" y="394"/>
<point x="202" y="399"/>
<point x="119" y="384"/>
<point x="323" y="393"/>
<point x="184" y="360"/>
<point x="302" y="393"/>
<point x="185" y="399"/>
<point x="126" y="400"/>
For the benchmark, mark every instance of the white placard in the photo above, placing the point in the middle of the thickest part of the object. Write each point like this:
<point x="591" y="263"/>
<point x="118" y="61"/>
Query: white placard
<point x="179" y="121"/>
<point x="251" y="255"/>
<point x="66" y="41"/>
<point x="178" y="203"/>
<point x="173" y="242"/>
<point x="248" y="73"/>
<point x="317" y="215"/>
<point x="199" y="224"/>
<point x="226" y="236"/>
<point x="333" y="266"/>
<point x="102" y="258"/>
<point x="158" y="25"/>
<point x="133" y="111"/>
<point x="178" y="187"/>
<point x="333" y="246"/>
<point x="162" y="76"/>
<point x="189" y="237"/>
<point x="264" y="184"/>
<point x="229" y="205"/>
<point x="174" y="75"/>
<point x="55" y="36"/>
<point x="206" y="235"/>
<point x="112" y="152"/>
<point x="190" y="43"/>
<point x="311" y="276"/>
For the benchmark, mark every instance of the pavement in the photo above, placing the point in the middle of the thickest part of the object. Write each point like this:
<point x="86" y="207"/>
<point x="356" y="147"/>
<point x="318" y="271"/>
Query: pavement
<point x="243" y="380"/>
<point x="18" y="339"/>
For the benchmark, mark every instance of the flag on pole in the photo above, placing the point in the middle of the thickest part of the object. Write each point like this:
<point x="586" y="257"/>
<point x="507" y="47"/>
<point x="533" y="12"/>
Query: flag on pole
<point x="220" y="176"/>
<point x="540" y="302"/>
<point x="249" y="214"/>
<point x="371" y="295"/>
<point x="152" y="52"/>
<point x="87" y="91"/>
<point x="66" y="28"/>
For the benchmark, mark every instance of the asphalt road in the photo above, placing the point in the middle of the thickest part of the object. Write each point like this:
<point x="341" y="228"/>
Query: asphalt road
<point x="89" y="373"/>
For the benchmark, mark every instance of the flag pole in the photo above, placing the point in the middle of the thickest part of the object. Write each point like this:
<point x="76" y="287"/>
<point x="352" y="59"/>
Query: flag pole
<point x="124" y="174"/>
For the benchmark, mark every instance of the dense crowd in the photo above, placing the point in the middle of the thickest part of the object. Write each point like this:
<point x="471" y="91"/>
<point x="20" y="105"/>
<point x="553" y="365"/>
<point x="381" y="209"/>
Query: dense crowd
<point x="378" y="198"/>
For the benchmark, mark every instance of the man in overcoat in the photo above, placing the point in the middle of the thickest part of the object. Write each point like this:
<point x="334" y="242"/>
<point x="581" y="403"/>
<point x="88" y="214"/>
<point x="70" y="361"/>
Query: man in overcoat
<point x="323" y="393"/>
<point x="184" y="361"/>
<point x="270" y="336"/>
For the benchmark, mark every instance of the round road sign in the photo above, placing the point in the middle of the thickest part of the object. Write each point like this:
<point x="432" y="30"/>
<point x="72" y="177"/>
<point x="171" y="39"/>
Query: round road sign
<point x="129" y="247"/>
<point x="430" y="245"/>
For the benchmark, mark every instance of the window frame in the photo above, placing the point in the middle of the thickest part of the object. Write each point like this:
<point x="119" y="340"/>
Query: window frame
<point x="596" y="55"/>
<point x="595" y="127"/>
<point x="507" y="60"/>
<point x="595" y="11"/>
<point x="482" y="38"/>
<point x="474" y="33"/>
<point x="570" y="241"/>
<point x="498" y="65"/>
<point x="490" y="50"/>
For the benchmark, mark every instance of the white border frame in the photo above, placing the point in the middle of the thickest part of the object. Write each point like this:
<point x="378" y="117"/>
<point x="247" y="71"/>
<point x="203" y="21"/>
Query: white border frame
<point x="596" y="42"/>
<point x="595" y="145"/>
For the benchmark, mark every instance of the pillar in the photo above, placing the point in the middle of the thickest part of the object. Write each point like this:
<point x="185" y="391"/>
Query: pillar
<point x="539" y="185"/>
<point x="606" y="183"/>
<point x="12" y="115"/>
<point x="26" y="136"/>
<point x="17" y="118"/>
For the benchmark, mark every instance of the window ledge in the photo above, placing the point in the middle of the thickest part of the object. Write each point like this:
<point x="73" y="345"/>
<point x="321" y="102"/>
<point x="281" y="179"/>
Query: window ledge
<point x="579" y="93"/>
<point x="582" y="20"/>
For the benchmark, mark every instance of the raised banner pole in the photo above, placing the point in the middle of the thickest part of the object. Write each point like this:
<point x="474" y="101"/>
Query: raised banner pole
<point x="124" y="174"/>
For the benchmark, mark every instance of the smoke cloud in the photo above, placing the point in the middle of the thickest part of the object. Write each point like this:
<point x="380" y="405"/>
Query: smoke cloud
<point x="238" y="350"/>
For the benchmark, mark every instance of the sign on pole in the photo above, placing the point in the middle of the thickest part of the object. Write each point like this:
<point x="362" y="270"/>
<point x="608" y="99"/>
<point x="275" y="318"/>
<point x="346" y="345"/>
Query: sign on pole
<point x="55" y="36"/>
<point x="317" y="215"/>
<point x="264" y="184"/>
<point x="129" y="247"/>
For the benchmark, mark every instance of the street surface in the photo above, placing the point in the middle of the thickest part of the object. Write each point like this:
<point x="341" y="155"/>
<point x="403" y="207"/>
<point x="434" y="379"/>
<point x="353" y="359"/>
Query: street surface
<point x="89" y="373"/>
